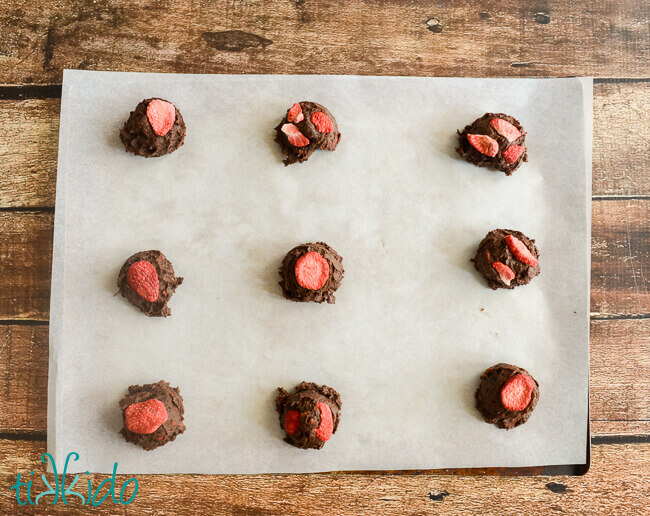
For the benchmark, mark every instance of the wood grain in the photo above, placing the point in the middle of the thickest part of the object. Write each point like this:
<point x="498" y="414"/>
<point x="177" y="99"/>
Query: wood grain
<point x="398" y="37"/>
<point x="620" y="375"/>
<point x="616" y="484"/>
<point x="23" y="378"/>
<point x="28" y="152"/>
<point x="621" y="163"/>
<point x="619" y="359"/>
<point x="620" y="261"/>
<point x="25" y="265"/>
<point x="620" y="258"/>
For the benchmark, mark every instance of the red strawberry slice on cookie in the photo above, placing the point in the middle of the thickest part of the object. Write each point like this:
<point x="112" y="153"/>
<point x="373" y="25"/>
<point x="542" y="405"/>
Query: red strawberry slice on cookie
<point x="512" y="153"/>
<point x="161" y="115"/>
<point x="143" y="279"/>
<point x="322" y="122"/>
<point x="293" y="134"/>
<point x="324" y="430"/>
<point x="505" y="273"/>
<point x="145" y="417"/>
<point x="520" y="251"/>
<point x="505" y="129"/>
<point x="484" y="144"/>
<point x="295" y="114"/>
<point x="292" y="422"/>
<point x="516" y="392"/>
<point x="312" y="271"/>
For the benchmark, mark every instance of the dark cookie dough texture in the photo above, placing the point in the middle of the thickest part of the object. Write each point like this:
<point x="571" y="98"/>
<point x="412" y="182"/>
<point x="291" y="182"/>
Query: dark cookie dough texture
<point x="164" y="278"/>
<point x="310" y="415"/>
<point x="495" y="140"/>
<point x="307" y="126"/>
<point x="139" y="137"/>
<point x="488" y="397"/>
<point x="290" y="287"/>
<point x="503" y="262"/>
<point x="169" y="429"/>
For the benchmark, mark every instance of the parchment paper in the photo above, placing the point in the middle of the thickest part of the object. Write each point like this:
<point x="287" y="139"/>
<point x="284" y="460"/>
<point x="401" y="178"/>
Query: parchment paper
<point x="414" y="325"/>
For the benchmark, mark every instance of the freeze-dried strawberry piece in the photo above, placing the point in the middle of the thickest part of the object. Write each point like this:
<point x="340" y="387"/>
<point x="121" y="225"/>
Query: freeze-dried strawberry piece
<point x="505" y="129"/>
<point x="520" y="251"/>
<point x="322" y="122"/>
<point x="512" y="153"/>
<point x="295" y="137"/>
<point x="324" y="430"/>
<point x="161" y="115"/>
<point x="505" y="273"/>
<point x="484" y="144"/>
<point x="516" y="392"/>
<point x="292" y="422"/>
<point x="143" y="278"/>
<point x="295" y="114"/>
<point x="145" y="417"/>
<point x="312" y="271"/>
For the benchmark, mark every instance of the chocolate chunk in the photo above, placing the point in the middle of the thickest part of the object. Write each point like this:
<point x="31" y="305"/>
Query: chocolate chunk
<point x="169" y="429"/>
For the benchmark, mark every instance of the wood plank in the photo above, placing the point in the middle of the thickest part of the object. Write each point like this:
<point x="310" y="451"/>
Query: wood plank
<point x="620" y="261"/>
<point x="394" y="37"/>
<point x="616" y="484"/>
<point x="619" y="359"/>
<point x="620" y="375"/>
<point x="621" y="162"/>
<point x="620" y="258"/>
<point x="23" y="378"/>
<point x="601" y="428"/>
<point x="29" y="152"/>
<point x="25" y="264"/>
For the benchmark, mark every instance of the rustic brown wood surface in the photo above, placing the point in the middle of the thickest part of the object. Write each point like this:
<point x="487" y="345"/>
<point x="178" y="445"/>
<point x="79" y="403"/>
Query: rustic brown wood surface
<point x="616" y="484"/>
<point x="608" y="39"/>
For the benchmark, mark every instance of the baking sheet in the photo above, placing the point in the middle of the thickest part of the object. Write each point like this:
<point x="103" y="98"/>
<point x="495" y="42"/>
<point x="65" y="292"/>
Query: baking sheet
<point x="413" y="326"/>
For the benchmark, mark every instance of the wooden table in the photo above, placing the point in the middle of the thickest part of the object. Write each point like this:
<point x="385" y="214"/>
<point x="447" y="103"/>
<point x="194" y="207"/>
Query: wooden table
<point x="608" y="39"/>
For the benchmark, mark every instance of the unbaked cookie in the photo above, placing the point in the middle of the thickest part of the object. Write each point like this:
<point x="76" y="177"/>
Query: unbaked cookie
<point x="307" y="126"/>
<point x="507" y="395"/>
<point x="147" y="280"/>
<point x="309" y="416"/>
<point x="154" y="129"/>
<point x="311" y="272"/>
<point x="495" y="140"/>
<point x="152" y="414"/>
<point x="507" y="259"/>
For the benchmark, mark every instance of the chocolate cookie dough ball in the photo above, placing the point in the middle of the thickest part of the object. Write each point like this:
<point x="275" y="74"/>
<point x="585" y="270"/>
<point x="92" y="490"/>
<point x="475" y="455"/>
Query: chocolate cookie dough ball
<point x="507" y="395"/>
<point x="152" y="414"/>
<point x="147" y="280"/>
<point x="307" y="126"/>
<point x="154" y="129"/>
<point x="495" y="140"/>
<point x="507" y="259"/>
<point x="310" y="415"/>
<point x="311" y="272"/>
